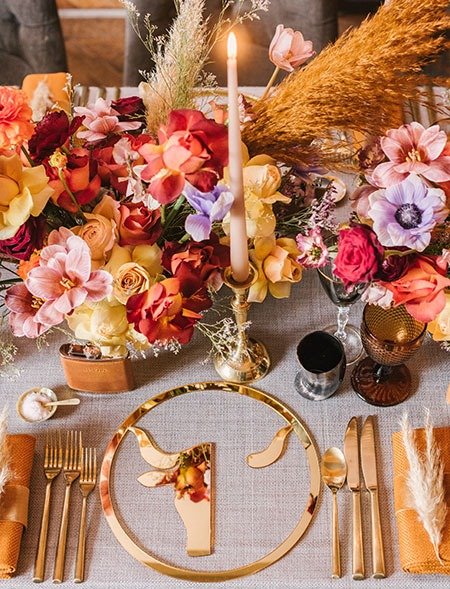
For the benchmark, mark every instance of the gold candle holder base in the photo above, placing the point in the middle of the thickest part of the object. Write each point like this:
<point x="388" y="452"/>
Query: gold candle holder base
<point x="247" y="359"/>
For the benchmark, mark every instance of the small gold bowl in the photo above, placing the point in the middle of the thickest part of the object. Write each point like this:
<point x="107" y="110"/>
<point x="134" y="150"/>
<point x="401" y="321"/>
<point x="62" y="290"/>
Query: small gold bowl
<point x="43" y="391"/>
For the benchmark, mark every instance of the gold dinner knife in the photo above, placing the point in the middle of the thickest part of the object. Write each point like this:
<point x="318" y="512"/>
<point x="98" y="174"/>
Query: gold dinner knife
<point x="369" y="468"/>
<point x="351" y="452"/>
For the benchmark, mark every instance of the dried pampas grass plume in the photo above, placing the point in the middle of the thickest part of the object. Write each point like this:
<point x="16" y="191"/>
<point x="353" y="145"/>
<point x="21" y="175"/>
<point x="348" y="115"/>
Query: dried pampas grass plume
<point x="359" y="83"/>
<point x="425" y="481"/>
<point x="5" y="474"/>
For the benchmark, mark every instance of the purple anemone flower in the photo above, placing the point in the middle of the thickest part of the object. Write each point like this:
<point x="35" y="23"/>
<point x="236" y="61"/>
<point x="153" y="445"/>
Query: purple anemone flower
<point x="405" y="213"/>
<point x="210" y="206"/>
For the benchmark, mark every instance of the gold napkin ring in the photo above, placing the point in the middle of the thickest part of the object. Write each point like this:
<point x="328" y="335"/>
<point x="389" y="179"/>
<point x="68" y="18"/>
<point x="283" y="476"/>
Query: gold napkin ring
<point x="14" y="504"/>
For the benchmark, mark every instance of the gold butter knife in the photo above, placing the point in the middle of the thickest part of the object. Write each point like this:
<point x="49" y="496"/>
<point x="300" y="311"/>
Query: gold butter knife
<point x="351" y="453"/>
<point x="369" y="468"/>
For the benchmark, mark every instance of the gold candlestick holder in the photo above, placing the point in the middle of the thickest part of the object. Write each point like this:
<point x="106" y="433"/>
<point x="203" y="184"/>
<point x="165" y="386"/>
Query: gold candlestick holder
<point x="246" y="359"/>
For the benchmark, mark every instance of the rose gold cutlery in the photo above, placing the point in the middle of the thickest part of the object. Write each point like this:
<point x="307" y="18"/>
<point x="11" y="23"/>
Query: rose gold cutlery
<point x="88" y="479"/>
<point x="351" y="452"/>
<point x="369" y="469"/>
<point x="71" y="471"/>
<point x="53" y="461"/>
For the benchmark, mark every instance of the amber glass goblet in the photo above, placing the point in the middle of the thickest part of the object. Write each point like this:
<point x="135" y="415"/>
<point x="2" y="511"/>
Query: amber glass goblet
<point x="390" y="337"/>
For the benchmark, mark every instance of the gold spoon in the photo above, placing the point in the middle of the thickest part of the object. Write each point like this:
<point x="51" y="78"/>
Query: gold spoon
<point x="334" y="473"/>
<point x="74" y="401"/>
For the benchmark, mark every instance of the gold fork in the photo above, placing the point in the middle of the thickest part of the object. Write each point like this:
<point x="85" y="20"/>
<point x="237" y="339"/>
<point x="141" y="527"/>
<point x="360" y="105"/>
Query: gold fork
<point x="71" y="471"/>
<point x="88" y="479"/>
<point x="53" y="459"/>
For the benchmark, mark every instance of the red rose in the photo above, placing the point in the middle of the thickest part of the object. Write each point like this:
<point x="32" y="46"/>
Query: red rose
<point x="80" y="175"/>
<point x="28" y="238"/>
<point x="112" y="174"/>
<point x="169" y="309"/>
<point x="50" y="133"/>
<point x="130" y="109"/>
<point x="394" y="267"/>
<point x="206" y="259"/>
<point x="138" y="225"/>
<point x="359" y="256"/>
<point x="191" y="148"/>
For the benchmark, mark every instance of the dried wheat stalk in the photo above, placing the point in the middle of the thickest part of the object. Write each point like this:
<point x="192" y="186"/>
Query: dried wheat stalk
<point x="359" y="83"/>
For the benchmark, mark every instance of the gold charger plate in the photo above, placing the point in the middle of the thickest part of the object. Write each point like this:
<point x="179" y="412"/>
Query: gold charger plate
<point x="145" y="557"/>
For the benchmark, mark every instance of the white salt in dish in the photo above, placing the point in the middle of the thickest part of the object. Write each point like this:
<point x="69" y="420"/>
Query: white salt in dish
<point x="30" y="405"/>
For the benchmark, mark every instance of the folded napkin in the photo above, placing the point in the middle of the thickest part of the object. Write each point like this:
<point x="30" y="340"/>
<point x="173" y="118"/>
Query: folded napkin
<point x="416" y="551"/>
<point x="14" y="501"/>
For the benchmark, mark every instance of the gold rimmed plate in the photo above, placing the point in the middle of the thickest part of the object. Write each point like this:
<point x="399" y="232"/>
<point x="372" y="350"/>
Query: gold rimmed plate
<point x="147" y="557"/>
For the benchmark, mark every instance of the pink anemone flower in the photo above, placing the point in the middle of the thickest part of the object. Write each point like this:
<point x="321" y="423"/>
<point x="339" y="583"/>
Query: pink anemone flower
<point x="102" y="120"/>
<point x="64" y="279"/>
<point x="412" y="149"/>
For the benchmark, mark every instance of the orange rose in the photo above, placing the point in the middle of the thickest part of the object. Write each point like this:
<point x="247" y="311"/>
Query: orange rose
<point x="15" y="119"/>
<point x="26" y="265"/>
<point x="100" y="234"/>
<point x="421" y="288"/>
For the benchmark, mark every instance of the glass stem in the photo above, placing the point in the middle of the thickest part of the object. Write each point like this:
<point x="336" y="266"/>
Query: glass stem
<point x="342" y="320"/>
<point x="382" y="372"/>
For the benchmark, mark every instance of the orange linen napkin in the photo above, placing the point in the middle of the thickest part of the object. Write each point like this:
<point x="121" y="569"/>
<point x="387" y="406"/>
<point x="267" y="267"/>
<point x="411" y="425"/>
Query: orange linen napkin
<point x="416" y="551"/>
<point x="56" y="84"/>
<point x="21" y="448"/>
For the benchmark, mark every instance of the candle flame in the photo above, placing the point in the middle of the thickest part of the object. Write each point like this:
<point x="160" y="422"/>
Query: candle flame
<point x="232" y="46"/>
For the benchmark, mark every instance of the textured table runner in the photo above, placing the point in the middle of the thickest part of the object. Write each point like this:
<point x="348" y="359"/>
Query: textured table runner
<point x="255" y="509"/>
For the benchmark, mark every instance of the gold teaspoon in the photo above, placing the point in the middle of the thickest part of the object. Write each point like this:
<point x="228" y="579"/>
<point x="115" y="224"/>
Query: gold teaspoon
<point x="74" y="401"/>
<point x="334" y="473"/>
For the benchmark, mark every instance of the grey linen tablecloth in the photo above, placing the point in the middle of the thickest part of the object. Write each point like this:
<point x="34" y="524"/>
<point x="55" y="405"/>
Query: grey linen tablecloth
<point x="255" y="509"/>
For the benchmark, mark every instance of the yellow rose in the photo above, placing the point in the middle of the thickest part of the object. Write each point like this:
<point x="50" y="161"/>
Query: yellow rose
<point x="130" y="279"/>
<point x="23" y="192"/>
<point x="261" y="182"/>
<point x="104" y="323"/>
<point x="440" y="327"/>
<point x="149" y="257"/>
<point x="108" y="207"/>
<point x="119" y="255"/>
<point x="276" y="261"/>
<point x="100" y="234"/>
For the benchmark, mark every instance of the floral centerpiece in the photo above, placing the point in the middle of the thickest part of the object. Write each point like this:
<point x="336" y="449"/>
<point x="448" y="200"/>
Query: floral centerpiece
<point x="398" y="239"/>
<point x="117" y="213"/>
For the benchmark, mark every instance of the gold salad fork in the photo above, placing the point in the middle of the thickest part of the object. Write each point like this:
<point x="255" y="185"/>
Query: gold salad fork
<point x="71" y="471"/>
<point x="88" y="479"/>
<point x="53" y="459"/>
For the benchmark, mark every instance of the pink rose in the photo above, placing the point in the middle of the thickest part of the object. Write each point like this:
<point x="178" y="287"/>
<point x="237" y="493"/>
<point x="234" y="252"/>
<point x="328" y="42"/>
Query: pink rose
<point x="138" y="224"/>
<point x="359" y="256"/>
<point x="421" y="288"/>
<point x="288" y="49"/>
